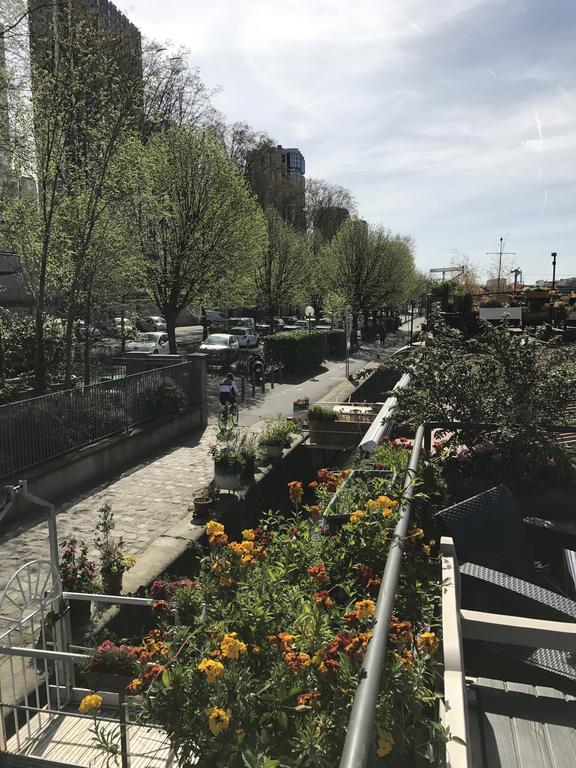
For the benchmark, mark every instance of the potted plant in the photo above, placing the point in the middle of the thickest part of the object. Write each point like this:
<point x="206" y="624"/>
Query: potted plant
<point x="204" y="499"/>
<point x="113" y="560"/>
<point x="78" y="574"/>
<point x="300" y="409"/>
<point x="112" y="667"/>
<point x="234" y="459"/>
<point x="276" y="436"/>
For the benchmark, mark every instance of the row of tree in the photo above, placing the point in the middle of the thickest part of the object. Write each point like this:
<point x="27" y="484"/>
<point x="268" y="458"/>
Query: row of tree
<point x="125" y="178"/>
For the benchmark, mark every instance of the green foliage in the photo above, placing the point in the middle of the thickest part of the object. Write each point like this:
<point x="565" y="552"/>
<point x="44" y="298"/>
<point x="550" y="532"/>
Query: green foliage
<point x="265" y="674"/>
<point x="19" y="344"/>
<point x="278" y="432"/>
<point x="321" y="413"/>
<point x="296" y="350"/>
<point x="166" y="397"/>
<point x="336" y="339"/>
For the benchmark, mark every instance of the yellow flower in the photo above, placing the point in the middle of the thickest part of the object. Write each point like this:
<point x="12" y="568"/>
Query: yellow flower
<point x="426" y="549"/>
<point x="231" y="647"/>
<point x="218" y="719"/>
<point x="214" y="527"/>
<point x="247" y="560"/>
<point x="365" y="608"/>
<point x="212" y="669"/>
<point x="90" y="702"/>
<point x="385" y="744"/>
<point x="371" y="505"/>
<point x="217" y="567"/>
<point x="356" y="516"/>
<point x="247" y="547"/>
<point x="386" y="501"/>
<point x="134" y="686"/>
<point x="428" y="642"/>
<point x="248" y="534"/>
<point x="256" y="650"/>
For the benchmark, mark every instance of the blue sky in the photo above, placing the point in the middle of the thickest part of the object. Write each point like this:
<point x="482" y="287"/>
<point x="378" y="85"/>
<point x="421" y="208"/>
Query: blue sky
<point x="454" y="122"/>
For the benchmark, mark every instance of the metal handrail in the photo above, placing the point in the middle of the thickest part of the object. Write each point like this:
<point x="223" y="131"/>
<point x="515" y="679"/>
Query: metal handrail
<point x="360" y="733"/>
<point x="382" y="424"/>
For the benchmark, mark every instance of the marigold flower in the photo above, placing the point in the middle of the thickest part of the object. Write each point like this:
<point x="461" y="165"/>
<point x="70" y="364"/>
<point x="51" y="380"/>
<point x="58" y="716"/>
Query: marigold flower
<point x="134" y="686"/>
<point x="385" y="744"/>
<point x="248" y="534"/>
<point x="323" y="599"/>
<point x="314" y="509"/>
<point x="356" y="516"/>
<point x="371" y="505"/>
<point x="152" y="672"/>
<point x="212" y="669"/>
<point x="216" y="567"/>
<point x="218" y="538"/>
<point x="256" y="650"/>
<point x="296" y="491"/>
<point x="319" y="572"/>
<point x="328" y="667"/>
<point x="313" y="485"/>
<point x="309" y="699"/>
<point x="286" y="639"/>
<point x="90" y="702"/>
<point x="226" y="581"/>
<point x="231" y="647"/>
<point x="161" y="608"/>
<point x="218" y="719"/>
<point x="297" y="660"/>
<point x="401" y="632"/>
<point x="365" y="609"/>
<point x="213" y="527"/>
<point x="428" y="642"/>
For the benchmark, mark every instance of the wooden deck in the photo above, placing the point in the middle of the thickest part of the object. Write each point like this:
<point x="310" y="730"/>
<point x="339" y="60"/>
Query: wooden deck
<point x="520" y="726"/>
<point x="68" y="740"/>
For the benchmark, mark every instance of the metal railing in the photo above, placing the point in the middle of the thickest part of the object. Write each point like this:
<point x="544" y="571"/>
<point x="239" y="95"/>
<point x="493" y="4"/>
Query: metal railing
<point x="33" y="431"/>
<point x="359" y="744"/>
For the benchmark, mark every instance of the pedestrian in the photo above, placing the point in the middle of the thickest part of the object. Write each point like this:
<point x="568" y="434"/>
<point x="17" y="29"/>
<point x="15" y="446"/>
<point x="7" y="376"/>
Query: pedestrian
<point x="382" y="333"/>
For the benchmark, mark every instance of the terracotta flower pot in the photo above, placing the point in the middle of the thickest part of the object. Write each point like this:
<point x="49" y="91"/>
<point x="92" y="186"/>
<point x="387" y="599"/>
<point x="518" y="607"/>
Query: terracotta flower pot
<point x="112" y="582"/>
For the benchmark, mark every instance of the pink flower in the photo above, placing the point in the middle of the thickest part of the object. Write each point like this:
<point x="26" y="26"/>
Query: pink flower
<point x="461" y="452"/>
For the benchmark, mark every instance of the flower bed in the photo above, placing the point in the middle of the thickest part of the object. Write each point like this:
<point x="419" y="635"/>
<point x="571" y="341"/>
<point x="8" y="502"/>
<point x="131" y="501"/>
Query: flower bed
<point x="264" y="669"/>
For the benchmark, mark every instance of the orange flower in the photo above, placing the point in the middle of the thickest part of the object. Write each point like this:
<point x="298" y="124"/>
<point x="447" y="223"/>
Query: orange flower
<point x="297" y="660"/>
<point x="309" y="699"/>
<point x="323" y="599"/>
<point x="319" y="572"/>
<point x="296" y="491"/>
<point x="314" y="510"/>
<point x="428" y="642"/>
<point x="218" y="538"/>
<point x="226" y="581"/>
<point x="365" y="609"/>
<point x="135" y="686"/>
<point x="248" y="534"/>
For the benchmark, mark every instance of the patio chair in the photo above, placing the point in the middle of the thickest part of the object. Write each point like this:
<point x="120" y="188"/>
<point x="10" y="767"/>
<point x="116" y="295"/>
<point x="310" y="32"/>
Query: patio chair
<point x="495" y="551"/>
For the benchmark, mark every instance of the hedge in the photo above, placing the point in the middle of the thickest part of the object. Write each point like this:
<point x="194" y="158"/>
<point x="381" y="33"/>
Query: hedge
<point x="296" y="350"/>
<point x="336" y="342"/>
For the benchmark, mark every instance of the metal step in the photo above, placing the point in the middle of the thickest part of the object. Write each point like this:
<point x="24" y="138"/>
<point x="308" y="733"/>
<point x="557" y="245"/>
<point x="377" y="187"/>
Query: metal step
<point x="27" y="761"/>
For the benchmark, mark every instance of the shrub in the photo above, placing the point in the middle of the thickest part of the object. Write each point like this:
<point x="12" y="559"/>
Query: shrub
<point x="296" y="350"/>
<point x="166" y="397"/>
<point x="392" y="323"/>
<point x="278" y="432"/>
<point x="336" y="340"/>
<point x="321" y="413"/>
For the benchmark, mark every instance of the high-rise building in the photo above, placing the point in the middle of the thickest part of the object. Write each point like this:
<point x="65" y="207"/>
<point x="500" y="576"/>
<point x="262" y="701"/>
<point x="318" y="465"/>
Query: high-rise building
<point x="277" y="177"/>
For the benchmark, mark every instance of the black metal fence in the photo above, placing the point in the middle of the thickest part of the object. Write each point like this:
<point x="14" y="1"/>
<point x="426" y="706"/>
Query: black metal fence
<point x="33" y="431"/>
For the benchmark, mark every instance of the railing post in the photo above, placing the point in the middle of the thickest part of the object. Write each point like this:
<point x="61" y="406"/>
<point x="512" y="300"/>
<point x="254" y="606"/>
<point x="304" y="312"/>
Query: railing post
<point x="124" y="743"/>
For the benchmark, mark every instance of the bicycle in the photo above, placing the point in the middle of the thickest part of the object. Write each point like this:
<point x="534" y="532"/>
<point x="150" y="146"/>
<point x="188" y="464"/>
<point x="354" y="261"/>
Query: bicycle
<point x="228" y="415"/>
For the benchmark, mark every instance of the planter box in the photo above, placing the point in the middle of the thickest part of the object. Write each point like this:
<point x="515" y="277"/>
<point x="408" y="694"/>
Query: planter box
<point x="498" y="313"/>
<point x="107" y="681"/>
<point x="337" y="434"/>
<point x="226" y="479"/>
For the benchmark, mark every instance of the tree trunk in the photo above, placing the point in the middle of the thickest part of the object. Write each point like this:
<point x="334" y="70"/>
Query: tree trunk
<point x="69" y="342"/>
<point x="87" y="337"/>
<point x="39" y="350"/>
<point x="354" y="332"/>
<point x="170" y="316"/>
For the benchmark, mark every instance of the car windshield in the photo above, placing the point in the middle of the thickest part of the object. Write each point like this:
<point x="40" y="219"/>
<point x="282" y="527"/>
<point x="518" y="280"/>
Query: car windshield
<point x="239" y="331"/>
<point x="216" y="339"/>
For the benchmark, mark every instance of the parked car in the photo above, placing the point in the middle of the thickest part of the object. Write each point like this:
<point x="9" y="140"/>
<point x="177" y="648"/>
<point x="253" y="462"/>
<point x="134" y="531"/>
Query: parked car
<point x="147" y="342"/>
<point x="152" y="323"/>
<point x="113" y="326"/>
<point x="216" y="317"/>
<point x="242" y="322"/>
<point x="303" y="324"/>
<point x="247" y="337"/>
<point x="94" y="333"/>
<point x="323" y="324"/>
<point x="290" y="320"/>
<point x="221" y="346"/>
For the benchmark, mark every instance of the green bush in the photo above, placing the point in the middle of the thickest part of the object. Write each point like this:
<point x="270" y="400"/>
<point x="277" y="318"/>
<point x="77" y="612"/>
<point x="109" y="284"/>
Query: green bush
<point x="336" y="340"/>
<point x="392" y="323"/>
<point x="296" y="350"/>
<point x="167" y="397"/>
<point x="321" y="413"/>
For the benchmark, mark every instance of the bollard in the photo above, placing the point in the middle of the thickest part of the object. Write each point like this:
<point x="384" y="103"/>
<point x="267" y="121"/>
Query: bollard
<point x="272" y="378"/>
<point x="280" y="375"/>
<point x="263" y="382"/>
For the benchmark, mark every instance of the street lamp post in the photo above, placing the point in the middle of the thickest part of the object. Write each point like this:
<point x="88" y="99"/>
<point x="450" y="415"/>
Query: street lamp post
<point x="309" y="312"/>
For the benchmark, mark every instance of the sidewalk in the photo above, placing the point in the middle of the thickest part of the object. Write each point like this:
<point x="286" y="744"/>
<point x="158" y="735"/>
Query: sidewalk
<point x="151" y="500"/>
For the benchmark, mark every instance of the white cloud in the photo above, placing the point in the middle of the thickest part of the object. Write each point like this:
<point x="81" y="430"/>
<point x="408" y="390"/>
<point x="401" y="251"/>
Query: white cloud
<point x="450" y="121"/>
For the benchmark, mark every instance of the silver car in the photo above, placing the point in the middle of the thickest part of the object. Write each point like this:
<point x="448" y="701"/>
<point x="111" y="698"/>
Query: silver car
<point x="247" y="337"/>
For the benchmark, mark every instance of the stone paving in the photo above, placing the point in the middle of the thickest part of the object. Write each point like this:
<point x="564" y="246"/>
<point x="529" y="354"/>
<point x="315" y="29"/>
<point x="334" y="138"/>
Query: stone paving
<point x="151" y="497"/>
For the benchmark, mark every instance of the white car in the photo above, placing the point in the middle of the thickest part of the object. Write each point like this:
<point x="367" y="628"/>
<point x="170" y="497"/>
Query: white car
<point x="147" y="342"/>
<point x="247" y="337"/>
<point x="152" y="324"/>
<point x="220" y="346"/>
<point x="114" y="326"/>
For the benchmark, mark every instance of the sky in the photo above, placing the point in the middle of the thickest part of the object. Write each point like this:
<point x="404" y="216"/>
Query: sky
<point x="453" y="121"/>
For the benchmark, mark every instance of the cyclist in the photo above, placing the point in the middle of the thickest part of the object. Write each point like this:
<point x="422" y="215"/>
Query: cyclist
<point x="228" y="392"/>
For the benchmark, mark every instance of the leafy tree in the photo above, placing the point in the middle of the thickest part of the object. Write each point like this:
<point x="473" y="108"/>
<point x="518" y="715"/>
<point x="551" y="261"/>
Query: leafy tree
<point x="281" y="269"/>
<point x="198" y="227"/>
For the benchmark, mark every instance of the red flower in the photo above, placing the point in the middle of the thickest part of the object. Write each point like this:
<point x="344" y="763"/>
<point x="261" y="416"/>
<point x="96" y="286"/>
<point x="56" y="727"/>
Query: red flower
<point x="161" y="608"/>
<point x="319" y="572"/>
<point x="152" y="672"/>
